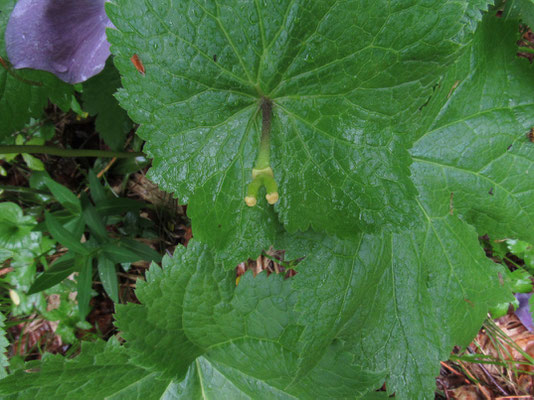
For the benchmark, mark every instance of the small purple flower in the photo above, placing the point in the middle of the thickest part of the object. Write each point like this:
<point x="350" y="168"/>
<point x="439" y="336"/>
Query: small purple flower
<point x="65" y="37"/>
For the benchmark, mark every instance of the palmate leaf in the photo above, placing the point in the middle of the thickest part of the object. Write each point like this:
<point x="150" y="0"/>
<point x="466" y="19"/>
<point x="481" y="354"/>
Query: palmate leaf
<point x="342" y="81"/>
<point x="474" y="145"/>
<point x="353" y="308"/>
<point x="26" y="97"/>
<point x="251" y="335"/>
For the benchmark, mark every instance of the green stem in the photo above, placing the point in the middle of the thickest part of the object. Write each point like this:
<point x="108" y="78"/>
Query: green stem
<point x="56" y="151"/>
<point x="22" y="189"/>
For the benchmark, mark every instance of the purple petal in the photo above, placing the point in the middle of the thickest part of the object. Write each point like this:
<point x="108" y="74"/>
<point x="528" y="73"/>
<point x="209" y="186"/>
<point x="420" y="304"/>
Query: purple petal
<point x="523" y="311"/>
<point x="65" y="37"/>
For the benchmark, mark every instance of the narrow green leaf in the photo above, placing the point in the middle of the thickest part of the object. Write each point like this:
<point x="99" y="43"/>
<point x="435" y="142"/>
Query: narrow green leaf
<point x="95" y="223"/>
<point x="64" y="196"/>
<point x="117" y="206"/>
<point x="33" y="163"/>
<point x="60" y="269"/>
<point x="128" y="250"/>
<point x="98" y="194"/>
<point x="63" y="236"/>
<point x="108" y="277"/>
<point x="85" y="283"/>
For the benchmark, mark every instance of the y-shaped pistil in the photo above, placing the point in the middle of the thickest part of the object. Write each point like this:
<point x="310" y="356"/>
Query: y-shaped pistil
<point x="262" y="173"/>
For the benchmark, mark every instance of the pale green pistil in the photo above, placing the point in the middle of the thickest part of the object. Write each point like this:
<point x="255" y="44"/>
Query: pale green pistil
<point x="262" y="173"/>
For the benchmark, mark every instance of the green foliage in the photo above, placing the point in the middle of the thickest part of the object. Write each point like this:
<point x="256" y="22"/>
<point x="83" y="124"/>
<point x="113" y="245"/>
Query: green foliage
<point x="67" y="227"/>
<point x="520" y="9"/>
<point x="340" y="102"/>
<point x="25" y="93"/>
<point x="112" y="122"/>
<point x="82" y="377"/>
<point x="24" y="248"/>
<point x="399" y="150"/>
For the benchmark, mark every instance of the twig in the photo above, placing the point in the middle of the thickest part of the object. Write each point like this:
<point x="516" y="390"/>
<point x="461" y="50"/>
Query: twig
<point x="454" y="371"/>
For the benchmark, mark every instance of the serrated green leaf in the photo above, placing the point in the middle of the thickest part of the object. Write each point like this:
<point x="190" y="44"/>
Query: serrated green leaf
<point x="254" y="324"/>
<point x="472" y="152"/>
<point x="339" y="96"/>
<point x="112" y="122"/>
<point x="27" y="96"/>
<point x="102" y="371"/>
<point x="345" y="291"/>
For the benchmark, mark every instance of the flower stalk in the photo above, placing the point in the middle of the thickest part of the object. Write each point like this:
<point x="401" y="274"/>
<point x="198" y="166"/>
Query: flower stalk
<point x="262" y="173"/>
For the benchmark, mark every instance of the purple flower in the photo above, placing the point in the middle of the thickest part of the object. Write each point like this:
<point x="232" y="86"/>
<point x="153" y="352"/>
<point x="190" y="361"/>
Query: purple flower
<point x="523" y="312"/>
<point x="65" y="37"/>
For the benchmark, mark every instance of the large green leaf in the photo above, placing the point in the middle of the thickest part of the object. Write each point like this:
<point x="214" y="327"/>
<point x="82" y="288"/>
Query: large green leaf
<point x="354" y="306"/>
<point x="25" y="95"/>
<point x="473" y="144"/>
<point x="103" y="371"/>
<point x="341" y="78"/>
<point x="520" y="9"/>
<point x="251" y="335"/>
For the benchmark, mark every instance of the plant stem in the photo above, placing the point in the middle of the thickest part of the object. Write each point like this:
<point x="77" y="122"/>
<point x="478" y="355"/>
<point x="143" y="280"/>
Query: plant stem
<point x="56" y="151"/>
<point x="22" y="189"/>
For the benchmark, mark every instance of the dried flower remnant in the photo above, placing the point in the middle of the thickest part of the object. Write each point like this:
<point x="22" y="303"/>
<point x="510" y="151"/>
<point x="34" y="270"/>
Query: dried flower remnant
<point x="64" y="37"/>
